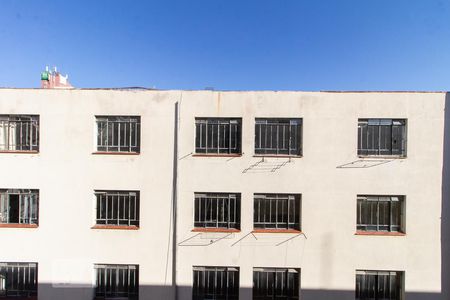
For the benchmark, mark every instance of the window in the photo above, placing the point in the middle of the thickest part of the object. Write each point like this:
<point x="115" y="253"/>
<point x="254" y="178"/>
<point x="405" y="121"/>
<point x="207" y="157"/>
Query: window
<point x="19" y="206"/>
<point x="18" y="279"/>
<point x="382" y="137"/>
<point x="217" y="136"/>
<point x="19" y="133"/>
<point x="117" y="208"/>
<point x="380" y="213"/>
<point x="117" y="281"/>
<point x="217" y="210"/>
<point x="278" y="136"/>
<point x="276" y="211"/>
<point x="211" y="283"/>
<point x="276" y="283"/>
<point x="386" y="285"/>
<point x="118" y="133"/>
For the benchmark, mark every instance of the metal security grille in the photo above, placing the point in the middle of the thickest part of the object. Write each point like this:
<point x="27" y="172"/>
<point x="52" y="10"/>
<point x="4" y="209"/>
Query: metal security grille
<point x="118" y="207"/>
<point x="382" y="137"/>
<point x="379" y="213"/>
<point x="19" y="133"/>
<point x="278" y="136"/>
<point x="211" y="283"/>
<point x="276" y="283"/>
<point x="276" y="211"/>
<point x="379" y="285"/>
<point x="18" y="279"/>
<point x="217" y="136"/>
<point x="218" y="210"/>
<point x="117" y="281"/>
<point x="19" y="206"/>
<point x="118" y="133"/>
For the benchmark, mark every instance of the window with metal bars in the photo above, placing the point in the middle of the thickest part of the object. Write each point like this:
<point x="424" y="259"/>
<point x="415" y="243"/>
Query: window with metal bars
<point x="117" y="281"/>
<point x="218" y="135"/>
<point x="278" y="136"/>
<point x="382" y="137"/>
<point x="19" y="206"/>
<point x="19" y="133"/>
<point x="276" y="283"/>
<point x="118" y="133"/>
<point x="117" y="208"/>
<point x="217" y="210"/>
<point x="277" y="211"/>
<point x="380" y="213"/>
<point x="18" y="279"/>
<point x="216" y="283"/>
<point x="379" y="285"/>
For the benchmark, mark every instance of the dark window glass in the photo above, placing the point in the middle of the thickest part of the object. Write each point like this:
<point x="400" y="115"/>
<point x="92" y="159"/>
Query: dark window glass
<point x="380" y="213"/>
<point x="117" y="281"/>
<point x="19" y="133"/>
<point x="211" y="283"/>
<point x="277" y="211"/>
<point x="217" y="136"/>
<point x="382" y="137"/>
<point x="19" y="206"/>
<point x="118" y="133"/>
<point x="117" y="208"/>
<point x="276" y="283"/>
<point x="217" y="210"/>
<point x="18" y="279"/>
<point x="278" y="136"/>
<point x="383" y="285"/>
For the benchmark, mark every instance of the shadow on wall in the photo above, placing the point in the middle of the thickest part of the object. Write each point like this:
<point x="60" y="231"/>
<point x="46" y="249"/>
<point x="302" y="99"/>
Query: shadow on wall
<point x="445" y="215"/>
<point x="150" y="292"/>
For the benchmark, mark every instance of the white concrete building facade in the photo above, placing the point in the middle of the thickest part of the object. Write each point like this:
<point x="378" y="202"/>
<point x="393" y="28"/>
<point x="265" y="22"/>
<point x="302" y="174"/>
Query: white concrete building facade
<point x="146" y="194"/>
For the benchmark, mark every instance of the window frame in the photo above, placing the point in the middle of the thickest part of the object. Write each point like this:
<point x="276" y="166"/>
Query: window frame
<point x="200" y="144"/>
<point x="231" y="291"/>
<point x="278" y="198"/>
<point x="104" y="294"/>
<point x="380" y="228"/>
<point x="30" y="204"/>
<point x="32" y="125"/>
<point x="231" y="225"/>
<point x="30" y="285"/>
<point x="377" y="151"/>
<point x="277" y="122"/>
<point x="294" y="294"/>
<point x="399" y="284"/>
<point x="116" y="222"/>
<point x="109" y="147"/>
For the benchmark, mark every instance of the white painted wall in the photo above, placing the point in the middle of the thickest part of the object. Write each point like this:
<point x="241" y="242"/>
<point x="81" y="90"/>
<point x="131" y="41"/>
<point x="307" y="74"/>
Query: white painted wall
<point x="66" y="173"/>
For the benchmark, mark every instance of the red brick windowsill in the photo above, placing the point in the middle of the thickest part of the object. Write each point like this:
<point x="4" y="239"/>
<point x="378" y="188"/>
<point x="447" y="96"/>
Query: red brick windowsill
<point x="224" y="230"/>
<point x="115" y="153"/>
<point x="18" y="226"/>
<point x="216" y="155"/>
<point x="277" y="156"/>
<point x="277" y="231"/>
<point x="380" y="233"/>
<point x="118" y="227"/>
<point x="20" y="152"/>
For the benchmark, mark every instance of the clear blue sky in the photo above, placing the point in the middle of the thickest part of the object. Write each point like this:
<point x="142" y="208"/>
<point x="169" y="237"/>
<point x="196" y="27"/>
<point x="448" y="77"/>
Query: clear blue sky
<point x="229" y="44"/>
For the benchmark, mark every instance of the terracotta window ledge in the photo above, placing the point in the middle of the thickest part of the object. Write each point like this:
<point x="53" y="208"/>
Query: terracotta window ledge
<point x="225" y="230"/>
<point x="380" y="233"/>
<point x="118" y="227"/>
<point x="277" y="231"/>
<point x="278" y="156"/>
<point x="216" y="155"/>
<point x="115" y="153"/>
<point x="382" y="156"/>
<point x="20" y="152"/>
<point x="10" y="225"/>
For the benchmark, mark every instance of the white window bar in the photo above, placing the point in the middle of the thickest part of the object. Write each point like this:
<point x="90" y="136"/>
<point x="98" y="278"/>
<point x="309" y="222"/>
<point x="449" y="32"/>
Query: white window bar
<point x="117" y="281"/>
<point x="216" y="283"/>
<point x="18" y="279"/>
<point x="278" y="136"/>
<point x="19" y="206"/>
<point x="19" y="133"/>
<point x="117" y="208"/>
<point x="217" y="210"/>
<point x="118" y="133"/>
<point x="379" y="213"/>
<point x="276" y="283"/>
<point x="277" y="211"/>
<point x="386" y="285"/>
<point x="382" y="137"/>
<point x="218" y="135"/>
